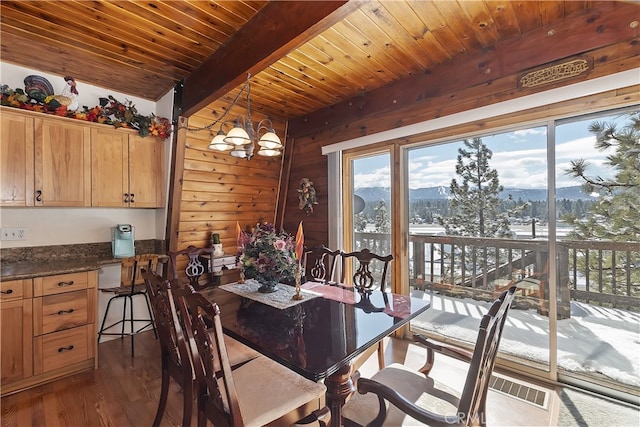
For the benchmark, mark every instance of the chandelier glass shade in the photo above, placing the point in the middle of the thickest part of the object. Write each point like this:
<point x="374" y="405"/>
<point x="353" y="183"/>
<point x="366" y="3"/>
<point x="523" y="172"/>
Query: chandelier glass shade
<point x="242" y="138"/>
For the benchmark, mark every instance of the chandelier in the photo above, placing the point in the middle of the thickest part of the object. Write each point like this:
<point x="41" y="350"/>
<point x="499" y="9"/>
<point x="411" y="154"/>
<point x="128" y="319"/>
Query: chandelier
<point x="241" y="140"/>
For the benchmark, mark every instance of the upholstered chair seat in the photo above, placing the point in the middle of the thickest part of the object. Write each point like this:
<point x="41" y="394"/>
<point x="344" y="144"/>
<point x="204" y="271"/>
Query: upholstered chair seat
<point x="413" y="386"/>
<point x="268" y="391"/>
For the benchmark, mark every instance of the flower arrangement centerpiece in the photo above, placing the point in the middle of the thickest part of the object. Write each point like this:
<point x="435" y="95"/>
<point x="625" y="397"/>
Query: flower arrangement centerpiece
<point x="267" y="256"/>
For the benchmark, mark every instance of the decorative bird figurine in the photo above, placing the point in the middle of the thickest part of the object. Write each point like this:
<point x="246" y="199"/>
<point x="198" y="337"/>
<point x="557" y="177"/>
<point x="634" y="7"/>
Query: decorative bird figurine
<point x="71" y="92"/>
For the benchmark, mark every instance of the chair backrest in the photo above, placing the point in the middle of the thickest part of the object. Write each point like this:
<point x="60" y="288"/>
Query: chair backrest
<point x="316" y="260"/>
<point x="205" y="345"/>
<point x="131" y="267"/>
<point x="170" y="334"/>
<point x="363" y="277"/>
<point x="195" y="263"/>
<point x="474" y="394"/>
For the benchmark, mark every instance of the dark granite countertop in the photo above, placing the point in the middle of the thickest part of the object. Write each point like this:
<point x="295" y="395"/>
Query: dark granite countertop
<point x="19" y="271"/>
<point x="39" y="261"/>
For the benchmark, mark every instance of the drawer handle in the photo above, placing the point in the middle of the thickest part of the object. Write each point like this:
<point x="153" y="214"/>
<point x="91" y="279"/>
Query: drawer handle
<point x="69" y="283"/>
<point x="7" y="292"/>
<point x="61" y="349"/>
<point x="65" y="311"/>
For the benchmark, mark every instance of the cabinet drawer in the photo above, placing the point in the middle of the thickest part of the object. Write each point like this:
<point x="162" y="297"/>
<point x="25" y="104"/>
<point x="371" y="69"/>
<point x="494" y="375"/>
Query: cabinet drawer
<point x="62" y="283"/>
<point x="60" y="349"/>
<point x="62" y="311"/>
<point x="15" y="289"/>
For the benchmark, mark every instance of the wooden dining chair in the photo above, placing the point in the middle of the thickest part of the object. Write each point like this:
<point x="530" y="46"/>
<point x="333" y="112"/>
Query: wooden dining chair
<point x="363" y="280"/>
<point x="193" y="261"/>
<point x="174" y="358"/>
<point x="363" y="277"/>
<point x="257" y="393"/>
<point x="176" y="362"/>
<point x="413" y="395"/>
<point x="316" y="259"/>
<point x="131" y="285"/>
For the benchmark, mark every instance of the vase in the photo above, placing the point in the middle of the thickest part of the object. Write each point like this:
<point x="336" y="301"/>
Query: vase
<point x="268" y="284"/>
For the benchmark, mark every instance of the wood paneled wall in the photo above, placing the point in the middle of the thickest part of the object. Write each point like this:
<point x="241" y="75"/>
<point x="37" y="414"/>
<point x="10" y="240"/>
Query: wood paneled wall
<point x="215" y="189"/>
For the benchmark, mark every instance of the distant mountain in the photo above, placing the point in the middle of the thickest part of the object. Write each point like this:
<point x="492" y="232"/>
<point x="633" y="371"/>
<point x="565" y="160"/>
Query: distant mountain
<point x="374" y="194"/>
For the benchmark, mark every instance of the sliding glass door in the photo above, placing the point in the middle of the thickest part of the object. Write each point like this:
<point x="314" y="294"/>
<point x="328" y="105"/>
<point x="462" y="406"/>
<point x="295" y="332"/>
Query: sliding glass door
<point x="598" y="250"/>
<point x="478" y="217"/>
<point x="368" y="207"/>
<point x="552" y="208"/>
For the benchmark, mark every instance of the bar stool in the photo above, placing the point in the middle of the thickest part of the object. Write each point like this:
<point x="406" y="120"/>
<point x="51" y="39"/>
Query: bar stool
<point x="131" y="284"/>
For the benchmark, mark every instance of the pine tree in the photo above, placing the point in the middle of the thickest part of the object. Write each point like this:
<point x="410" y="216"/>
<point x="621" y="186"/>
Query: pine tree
<point x="382" y="220"/>
<point x="616" y="213"/>
<point x="475" y="204"/>
<point x="359" y="222"/>
<point x="615" y="216"/>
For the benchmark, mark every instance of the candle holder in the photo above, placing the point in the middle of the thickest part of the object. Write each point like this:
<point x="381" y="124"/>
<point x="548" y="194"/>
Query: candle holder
<point x="298" y="295"/>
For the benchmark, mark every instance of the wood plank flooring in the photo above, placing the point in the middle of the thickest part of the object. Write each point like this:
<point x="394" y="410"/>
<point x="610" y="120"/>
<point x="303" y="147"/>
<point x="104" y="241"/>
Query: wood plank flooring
<point x="125" y="391"/>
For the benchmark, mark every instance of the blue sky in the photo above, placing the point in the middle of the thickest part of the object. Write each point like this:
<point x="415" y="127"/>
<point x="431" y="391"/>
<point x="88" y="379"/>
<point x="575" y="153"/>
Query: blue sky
<point x="519" y="156"/>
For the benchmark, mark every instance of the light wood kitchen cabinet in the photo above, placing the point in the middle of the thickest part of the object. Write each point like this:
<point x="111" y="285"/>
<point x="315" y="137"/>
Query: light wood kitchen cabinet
<point x="48" y="328"/>
<point x="62" y="162"/>
<point x="16" y="159"/>
<point x="16" y="362"/>
<point x="126" y="170"/>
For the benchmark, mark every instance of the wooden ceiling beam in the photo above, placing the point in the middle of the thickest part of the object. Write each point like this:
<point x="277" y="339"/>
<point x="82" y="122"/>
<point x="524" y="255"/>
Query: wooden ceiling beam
<point x="608" y="24"/>
<point x="278" y="28"/>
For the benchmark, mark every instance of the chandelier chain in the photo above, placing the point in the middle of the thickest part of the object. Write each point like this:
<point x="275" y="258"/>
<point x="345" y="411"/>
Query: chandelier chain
<point x="246" y="86"/>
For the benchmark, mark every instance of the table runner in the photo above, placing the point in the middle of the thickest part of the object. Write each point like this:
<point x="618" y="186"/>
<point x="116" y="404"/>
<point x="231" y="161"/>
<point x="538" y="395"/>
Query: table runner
<point x="280" y="299"/>
<point x="400" y="305"/>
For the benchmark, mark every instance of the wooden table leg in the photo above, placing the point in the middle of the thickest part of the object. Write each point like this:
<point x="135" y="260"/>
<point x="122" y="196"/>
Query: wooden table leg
<point x="339" y="388"/>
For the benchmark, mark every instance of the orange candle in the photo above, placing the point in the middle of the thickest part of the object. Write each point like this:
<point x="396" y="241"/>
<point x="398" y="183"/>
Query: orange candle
<point x="299" y="242"/>
<point x="238" y="234"/>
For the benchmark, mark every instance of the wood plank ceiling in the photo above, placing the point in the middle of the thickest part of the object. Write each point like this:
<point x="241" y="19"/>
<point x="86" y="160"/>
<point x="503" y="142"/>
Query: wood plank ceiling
<point x="143" y="48"/>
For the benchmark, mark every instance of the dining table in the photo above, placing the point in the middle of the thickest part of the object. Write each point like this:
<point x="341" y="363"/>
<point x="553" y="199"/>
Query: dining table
<point x="318" y="336"/>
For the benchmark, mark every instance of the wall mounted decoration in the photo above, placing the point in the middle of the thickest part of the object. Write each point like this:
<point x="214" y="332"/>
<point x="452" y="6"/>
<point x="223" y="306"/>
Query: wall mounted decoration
<point x="307" y="196"/>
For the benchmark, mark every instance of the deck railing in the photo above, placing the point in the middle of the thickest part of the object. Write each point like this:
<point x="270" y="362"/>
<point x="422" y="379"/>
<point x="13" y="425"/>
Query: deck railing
<point x="598" y="272"/>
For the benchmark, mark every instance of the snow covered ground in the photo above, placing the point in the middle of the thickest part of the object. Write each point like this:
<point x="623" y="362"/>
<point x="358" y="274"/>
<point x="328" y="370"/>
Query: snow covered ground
<point x="592" y="340"/>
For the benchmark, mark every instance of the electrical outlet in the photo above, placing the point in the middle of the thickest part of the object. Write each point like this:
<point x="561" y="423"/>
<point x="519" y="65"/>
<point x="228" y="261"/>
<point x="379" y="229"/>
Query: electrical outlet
<point x="6" y="233"/>
<point x="20" y="233"/>
<point x="13" y="233"/>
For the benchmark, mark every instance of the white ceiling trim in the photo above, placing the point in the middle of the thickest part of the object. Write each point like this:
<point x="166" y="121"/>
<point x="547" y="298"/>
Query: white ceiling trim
<point x="577" y="90"/>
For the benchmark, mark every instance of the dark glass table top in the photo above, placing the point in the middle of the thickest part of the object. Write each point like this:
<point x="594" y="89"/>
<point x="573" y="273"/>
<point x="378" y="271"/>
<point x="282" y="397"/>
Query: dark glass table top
<point x="319" y="335"/>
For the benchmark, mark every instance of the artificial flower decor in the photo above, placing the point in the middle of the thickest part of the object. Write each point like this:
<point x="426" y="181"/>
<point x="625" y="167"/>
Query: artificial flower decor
<point x="109" y="112"/>
<point x="267" y="256"/>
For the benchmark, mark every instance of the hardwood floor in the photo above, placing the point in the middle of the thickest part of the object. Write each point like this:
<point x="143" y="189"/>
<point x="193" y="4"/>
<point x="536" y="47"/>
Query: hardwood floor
<point x="124" y="391"/>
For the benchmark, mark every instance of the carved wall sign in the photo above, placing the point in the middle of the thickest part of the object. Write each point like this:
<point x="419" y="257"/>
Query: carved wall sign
<point x="555" y="73"/>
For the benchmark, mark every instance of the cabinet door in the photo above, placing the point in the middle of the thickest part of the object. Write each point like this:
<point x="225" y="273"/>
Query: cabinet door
<point x="16" y="159"/>
<point x="146" y="172"/>
<point x="62" y="163"/>
<point x="109" y="168"/>
<point x="16" y="340"/>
